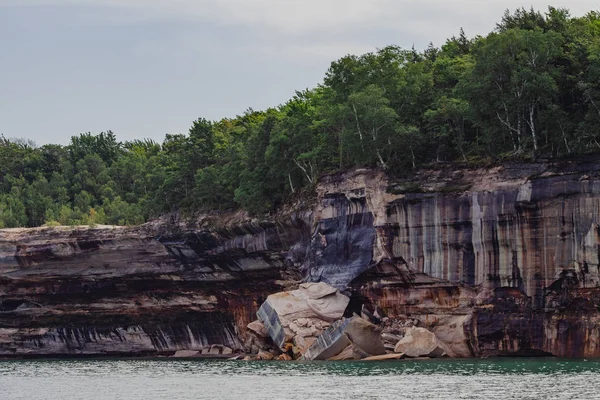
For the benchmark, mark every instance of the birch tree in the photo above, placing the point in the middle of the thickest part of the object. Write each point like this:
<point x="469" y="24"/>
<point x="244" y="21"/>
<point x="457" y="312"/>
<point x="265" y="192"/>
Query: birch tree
<point x="375" y="122"/>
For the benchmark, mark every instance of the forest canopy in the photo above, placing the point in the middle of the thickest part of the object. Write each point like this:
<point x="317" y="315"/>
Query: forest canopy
<point x="530" y="88"/>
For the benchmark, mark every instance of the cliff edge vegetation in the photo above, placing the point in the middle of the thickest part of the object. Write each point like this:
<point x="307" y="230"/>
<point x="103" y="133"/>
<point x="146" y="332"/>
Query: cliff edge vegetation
<point x="530" y="88"/>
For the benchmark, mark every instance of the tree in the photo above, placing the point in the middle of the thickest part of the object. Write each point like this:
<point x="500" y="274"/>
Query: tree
<point x="104" y="144"/>
<point x="532" y="85"/>
<point x="375" y="123"/>
<point x="512" y="80"/>
<point x="448" y="120"/>
<point x="521" y="18"/>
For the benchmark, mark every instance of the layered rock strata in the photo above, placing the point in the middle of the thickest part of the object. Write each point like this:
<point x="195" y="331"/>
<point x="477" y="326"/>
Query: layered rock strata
<point x="495" y="261"/>
<point x="134" y="291"/>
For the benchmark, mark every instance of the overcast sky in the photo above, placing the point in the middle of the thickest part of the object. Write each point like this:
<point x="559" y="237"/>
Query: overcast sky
<point x="143" y="68"/>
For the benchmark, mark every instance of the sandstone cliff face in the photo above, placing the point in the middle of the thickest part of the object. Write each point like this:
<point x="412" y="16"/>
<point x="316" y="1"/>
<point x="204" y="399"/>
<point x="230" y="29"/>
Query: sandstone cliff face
<point x="495" y="261"/>
<point x="114" y="290"/>
<point x="513" y="249"/>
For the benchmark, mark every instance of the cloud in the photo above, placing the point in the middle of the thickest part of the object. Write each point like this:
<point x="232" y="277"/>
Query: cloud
<point x="318" y="19"/>
<point x="296" y="16"/>
<point x="308" y="31"/>
<point x="290" y="15"/>
<point x="305" y="29"/>
<point x="151" y="66"/>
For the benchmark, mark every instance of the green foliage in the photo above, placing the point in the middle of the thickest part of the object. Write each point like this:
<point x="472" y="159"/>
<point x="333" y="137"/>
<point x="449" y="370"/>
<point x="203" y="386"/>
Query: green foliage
<point x="51" y="223"/>
<point x="530" y="88"/>
<point x="375" y="130"/>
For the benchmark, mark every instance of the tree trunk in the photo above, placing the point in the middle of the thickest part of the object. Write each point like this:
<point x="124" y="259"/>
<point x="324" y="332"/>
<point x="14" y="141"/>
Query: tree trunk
<point x="374" y="136"/>
<point x="308" y="176"/>
<point x="362" y="145"/>
<point x="383" y="164"/>
<point x="519" y="149"/>
<point x="341" y="149"/>
<point x="516" y="139"/>
<point x="531" y="123"/>
<point x="564" y="137"/>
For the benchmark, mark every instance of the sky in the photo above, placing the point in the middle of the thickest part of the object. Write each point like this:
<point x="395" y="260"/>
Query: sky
<point x="144" y="68"/>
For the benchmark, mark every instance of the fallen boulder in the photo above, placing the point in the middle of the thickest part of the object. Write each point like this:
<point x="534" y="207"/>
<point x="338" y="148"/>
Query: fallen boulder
<point x="344" y="355"/>
<point x="257" y="338"/>
<point x="363" y="337"/>
<point x="349" y="353"/>
<point x="450" y="329"/>
<point x="303" y="343"/>
<point x="390" y="338"/>
<point x="331" y="343"/>
<point x="304" y="312"/>
<point x="185" y="353"/>
<point x="420" y="342"/>
<point x="258" y="328"/>
<point x="385" y="357"/>
<point x="265" y="355"/>
<point x="217" y="349"/>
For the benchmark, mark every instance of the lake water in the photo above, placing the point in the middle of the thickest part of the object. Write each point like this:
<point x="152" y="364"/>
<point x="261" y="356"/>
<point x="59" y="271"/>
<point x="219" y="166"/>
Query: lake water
<point x="201" y="379"/>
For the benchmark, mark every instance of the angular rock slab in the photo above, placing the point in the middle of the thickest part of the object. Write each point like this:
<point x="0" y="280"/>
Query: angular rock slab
<point x="310" y="301"/>
<point x="355" y="332"/>
<point x="258" y="328"/>
<point x="365" y="336"/>
<point x="385" y="357"/>
<point x="185" y="353"/>
<point x="331" y="343"/>
<point x="348" y="354"/>
<point x="420" y="342"/>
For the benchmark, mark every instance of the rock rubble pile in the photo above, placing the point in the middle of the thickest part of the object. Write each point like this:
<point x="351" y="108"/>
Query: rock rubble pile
<point x="309" y="324"/>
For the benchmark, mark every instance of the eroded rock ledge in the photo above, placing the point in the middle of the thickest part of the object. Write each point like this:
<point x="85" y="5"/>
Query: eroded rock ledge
<point x="494" y="261"/>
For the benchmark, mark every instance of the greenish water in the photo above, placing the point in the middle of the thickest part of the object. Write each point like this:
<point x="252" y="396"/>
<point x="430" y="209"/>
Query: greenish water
<point x="201" y="379"/>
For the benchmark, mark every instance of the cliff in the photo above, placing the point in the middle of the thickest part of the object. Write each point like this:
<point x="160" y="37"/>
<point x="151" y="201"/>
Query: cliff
<point x="495" y="261"/>
<point x="115" y="290"/>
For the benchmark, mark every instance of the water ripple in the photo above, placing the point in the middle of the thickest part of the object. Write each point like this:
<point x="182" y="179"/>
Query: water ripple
<point x="200" y="379"/>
